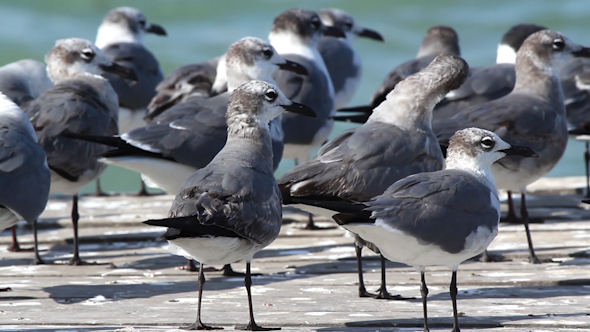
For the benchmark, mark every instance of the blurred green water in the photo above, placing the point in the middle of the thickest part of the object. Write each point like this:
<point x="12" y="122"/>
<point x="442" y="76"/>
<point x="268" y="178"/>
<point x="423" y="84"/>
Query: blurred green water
<point x="199" y="30"/>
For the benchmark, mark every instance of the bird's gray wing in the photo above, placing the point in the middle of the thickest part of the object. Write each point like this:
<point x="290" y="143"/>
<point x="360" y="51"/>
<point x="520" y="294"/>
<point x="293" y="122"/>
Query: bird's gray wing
<point x="191" y="133"/>
<point x="194" y="80"/>
<point x="441" y="208"/>
<point x="364" y="163"/>
<point x="233" y="197"/>
<point x="71" y="106"/>
<point x="338" y="57"/>
<point x="399" y="74"/>
<point x="312" y="91"/>
<point x="24" y="176"/>
<point x="24" y="80"/>
<point x="134" y="95"/>
<point x="483" y="84"/>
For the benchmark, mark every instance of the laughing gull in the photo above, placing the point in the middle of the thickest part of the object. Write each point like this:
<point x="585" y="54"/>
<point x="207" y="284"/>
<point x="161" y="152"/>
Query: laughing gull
<point x="187" y="136"/>
<point x="295" y="35"/>
<point x="341" y="59"/>
<point x="231" y="209"/>
<point x="193" y="80"/>
<point x="533" y="115"/>
<point x="81" y="102"/>
<point x="24" y="174"/>
<point x="437" y="218"/>
<point x="438" y="40"/>
<point x="120" y="37"/>
<point x="396" y="141"/>
<point x="23" y="81"/>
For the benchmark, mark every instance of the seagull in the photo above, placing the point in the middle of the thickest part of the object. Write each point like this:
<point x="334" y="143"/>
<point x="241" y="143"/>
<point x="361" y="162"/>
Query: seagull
<point x="533" y="115"/>
<point x="341" y="59"/>
<point x="81" y="102"/>
<point x="438" y="40"/>
<point x="187" y="136"/>
<point x="193" y="80"/>
<point x="24" y="174"/>
<point x="23" y="81"/>
<point x="436" y="218"/>
<point x="396" y="141"/>
<point x="231" y="209"/>
<point x="295" y="35"/>
<point x="120" y="37"/>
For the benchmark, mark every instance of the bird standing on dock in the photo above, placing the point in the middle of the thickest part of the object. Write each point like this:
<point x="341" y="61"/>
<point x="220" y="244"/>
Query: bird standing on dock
<point x="396" y="141"/>
<point x="231" y="209"/>
<point x="435" y="218"/>
<point x="80" y="102"/>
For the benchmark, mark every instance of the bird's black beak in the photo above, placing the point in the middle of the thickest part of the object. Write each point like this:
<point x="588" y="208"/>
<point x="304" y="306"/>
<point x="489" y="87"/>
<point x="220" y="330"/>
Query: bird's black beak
<point x="583" y="53"/>
<point x="334" y="32"/>
<point x="372" y="34"/>
<point x="520" y="151"/>
<point x="156" y="29"/>
<point x="300" y="109"/>
<point x="294" y="67"/>
<point x="120" y="71"/>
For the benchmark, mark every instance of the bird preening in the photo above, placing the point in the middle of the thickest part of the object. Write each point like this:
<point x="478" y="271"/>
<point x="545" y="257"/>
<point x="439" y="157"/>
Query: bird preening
<point x="419" y="180"/>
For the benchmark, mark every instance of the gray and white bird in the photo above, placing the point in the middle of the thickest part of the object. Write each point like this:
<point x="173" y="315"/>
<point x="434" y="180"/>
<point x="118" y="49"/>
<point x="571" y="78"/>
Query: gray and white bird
<point x="187" y="136"/>
<point x="342" y="60"/>
<point x="24" y="80"/>
<point x="80" y="102"/>
<point x="231" y="209"/>
<point x="532" y="115"/>
<point x="295" y="35"/>
<point x="120" y="37"/>
<point x="24" y="174"/>
<point x="396" y="141"/>
<point x="435" y="218"/>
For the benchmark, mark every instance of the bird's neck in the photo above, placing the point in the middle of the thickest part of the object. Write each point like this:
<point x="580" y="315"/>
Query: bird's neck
<point x="109" y="33"/>
<point x="249" y="139"/>
<point x="537" y="78"/>
<point x="458" y="160"/>
<point x="289" y="43"/>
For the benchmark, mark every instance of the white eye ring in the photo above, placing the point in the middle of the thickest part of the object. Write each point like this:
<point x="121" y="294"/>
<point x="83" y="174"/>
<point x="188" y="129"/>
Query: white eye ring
<point x="558" y="44"/>
<point x="87" y="53"/>
<point x="271" y="95"/>
<point x="487" y="142"/>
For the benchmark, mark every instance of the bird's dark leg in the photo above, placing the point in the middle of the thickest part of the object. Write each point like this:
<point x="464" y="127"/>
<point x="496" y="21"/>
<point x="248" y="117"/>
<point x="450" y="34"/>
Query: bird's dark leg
<point x="424" y="293"/>
<point x="75" y="218"/>
<point x="453" y="291"/>
<point x="383" y="294"/>
<point x="198" y="324"/>
<point x="511" y="216"/>
<point x="15" y="246"/>
<point x="252" y="326"/>
<point x="190" y="266"/>
<point x="587" y="160"/>
<point x="525" y="218"/>
<point x="310" y="223"/>
<point x="359" y="264"/>
<point x="38" y="259"/>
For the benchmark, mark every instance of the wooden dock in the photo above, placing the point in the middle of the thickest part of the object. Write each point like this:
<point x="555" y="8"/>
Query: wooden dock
<point x="308" y="280"/>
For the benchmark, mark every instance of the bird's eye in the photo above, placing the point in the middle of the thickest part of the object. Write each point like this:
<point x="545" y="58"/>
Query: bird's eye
<point x="315" y="23"/>
<point x="267" y="52"/>
<point x="487" y="143"/>
<point x="87" y="54"/>
<point x="142" y="23"/>
<point x="271" y="95"/>
<point x="558" y="44"/>
<point x="348" y="25"/>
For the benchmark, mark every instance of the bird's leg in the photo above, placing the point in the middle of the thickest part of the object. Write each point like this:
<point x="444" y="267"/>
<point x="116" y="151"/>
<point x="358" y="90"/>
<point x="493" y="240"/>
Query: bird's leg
<point x="359" y="264"/>
<point x="252" y="326"/>
<point x="99" y="192"/>
<point x="453" y="291"/>
<point x="15" y="246"/>
<point x="310" y="223"/>
<point x="38" y="259"/>
<point x="75" y="218"/>
<point x="525" y="218"/>
<point x="190" y="266"/>
<point x="511" y="216"/>
<point x="198" y="324"/>
<point x="424" y="293"/>
<point x="383" y="294"/>
<point x="587" y="160"/>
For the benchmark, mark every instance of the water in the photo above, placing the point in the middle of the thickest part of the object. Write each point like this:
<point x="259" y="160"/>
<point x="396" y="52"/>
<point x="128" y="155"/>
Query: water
<point x="200" y="30"/>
